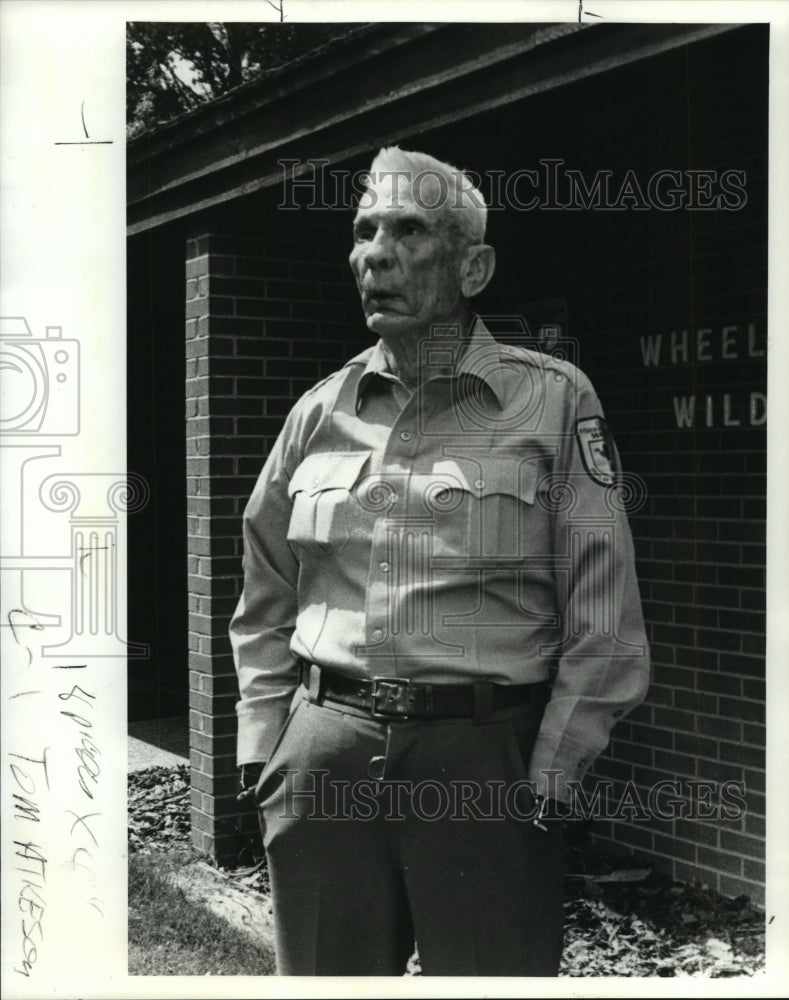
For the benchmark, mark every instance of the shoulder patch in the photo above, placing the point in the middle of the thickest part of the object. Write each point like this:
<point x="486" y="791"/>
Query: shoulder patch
<point x="597" y="449"/>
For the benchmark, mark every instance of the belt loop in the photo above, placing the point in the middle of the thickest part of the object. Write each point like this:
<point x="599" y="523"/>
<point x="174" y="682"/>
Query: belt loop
<point x="314" y="686"/>
<point x="483" y="701"/>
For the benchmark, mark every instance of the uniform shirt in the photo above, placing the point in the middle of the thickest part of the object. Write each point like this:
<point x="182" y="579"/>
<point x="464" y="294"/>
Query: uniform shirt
<point x="473" y="530"/>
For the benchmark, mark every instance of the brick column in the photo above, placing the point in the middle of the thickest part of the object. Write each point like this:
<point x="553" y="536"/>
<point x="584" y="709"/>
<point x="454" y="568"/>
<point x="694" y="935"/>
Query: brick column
<point x="267" y="316"/>
<point x="215" y="496"/>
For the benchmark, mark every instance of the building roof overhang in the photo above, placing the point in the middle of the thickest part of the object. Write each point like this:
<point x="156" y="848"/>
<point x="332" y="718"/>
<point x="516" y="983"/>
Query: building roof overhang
<point x="375" y="84"/>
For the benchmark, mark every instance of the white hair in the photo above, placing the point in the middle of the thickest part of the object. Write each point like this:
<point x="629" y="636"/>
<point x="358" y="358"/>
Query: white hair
<point x="456" y="190"/>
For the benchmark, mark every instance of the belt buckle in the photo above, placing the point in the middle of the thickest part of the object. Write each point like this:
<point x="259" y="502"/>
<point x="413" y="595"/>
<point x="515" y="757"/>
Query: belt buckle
<point x="390" y="697"/>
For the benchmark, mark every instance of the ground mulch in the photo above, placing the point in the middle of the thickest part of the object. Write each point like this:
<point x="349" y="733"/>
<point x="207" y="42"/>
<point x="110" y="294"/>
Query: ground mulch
<point x="619" y="921"/>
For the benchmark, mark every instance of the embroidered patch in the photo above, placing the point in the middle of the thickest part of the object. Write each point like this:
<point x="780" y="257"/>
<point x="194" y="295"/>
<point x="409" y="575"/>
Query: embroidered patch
<point x="597" y="449"/>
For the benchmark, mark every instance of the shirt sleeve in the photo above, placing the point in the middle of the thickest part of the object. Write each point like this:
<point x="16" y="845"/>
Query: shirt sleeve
<point x="603" y="664"/>
<point x="264" y="620"/>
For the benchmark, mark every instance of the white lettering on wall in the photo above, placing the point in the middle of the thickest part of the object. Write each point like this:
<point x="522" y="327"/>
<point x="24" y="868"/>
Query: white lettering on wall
<point x="730" y="343"/>
<point x="708" y="344"/>
<point x="712" y="412"/>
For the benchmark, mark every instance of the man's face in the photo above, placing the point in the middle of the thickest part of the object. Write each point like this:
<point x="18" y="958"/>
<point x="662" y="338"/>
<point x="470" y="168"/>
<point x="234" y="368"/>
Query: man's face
<point x="406" y="260"/>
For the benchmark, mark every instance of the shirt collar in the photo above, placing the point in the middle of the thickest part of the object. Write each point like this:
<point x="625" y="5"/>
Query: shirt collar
<point x="475" y="357"/>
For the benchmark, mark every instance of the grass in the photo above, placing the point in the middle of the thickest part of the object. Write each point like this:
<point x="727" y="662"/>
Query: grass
<point x="171" y="936"/>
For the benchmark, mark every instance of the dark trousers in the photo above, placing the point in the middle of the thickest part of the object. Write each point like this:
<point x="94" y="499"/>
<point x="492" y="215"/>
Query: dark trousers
<point x="382" y="833"/>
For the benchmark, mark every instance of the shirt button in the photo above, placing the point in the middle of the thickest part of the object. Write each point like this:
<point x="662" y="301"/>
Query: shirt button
<point x="384" y="567"/>
<point x="405" y="435"/>
<point x="378" y="634"/>
<point x="480" y="484"/>
<point x="617" y="713"/>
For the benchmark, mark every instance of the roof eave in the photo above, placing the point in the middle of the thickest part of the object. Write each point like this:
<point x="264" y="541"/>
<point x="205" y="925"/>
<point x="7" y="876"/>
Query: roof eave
<point x="392" y="80"/>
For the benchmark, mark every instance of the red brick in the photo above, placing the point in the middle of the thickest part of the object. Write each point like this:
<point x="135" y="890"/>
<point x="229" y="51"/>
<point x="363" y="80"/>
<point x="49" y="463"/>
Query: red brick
<point x="202" y="842"/>
<point x="755" y="825"/>
<point x="740" y="754"/>
<point x="637" y="835"/>
<point x="754" y="733"/>
<point x="224" y="744"/>
<point x="751" y="711"/>
<point x="692" y="743"/>
<point x="203" y="823"/>
<point x="720" y="861"/>
<point x="673" y="848"/>
<point x="754" y="870"/>
<point x="747" y="847"/>
<point x="698" y="702"/>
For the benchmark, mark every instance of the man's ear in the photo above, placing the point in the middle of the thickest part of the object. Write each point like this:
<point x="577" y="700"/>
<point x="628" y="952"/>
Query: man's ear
<point x="478" y="267"/>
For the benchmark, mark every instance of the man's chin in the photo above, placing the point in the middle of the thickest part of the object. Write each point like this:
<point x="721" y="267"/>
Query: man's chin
<point x="388" y="324"/>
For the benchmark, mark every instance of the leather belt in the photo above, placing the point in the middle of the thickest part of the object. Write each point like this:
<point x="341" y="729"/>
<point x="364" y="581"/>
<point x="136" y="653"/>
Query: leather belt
<point x="400" y="698"/>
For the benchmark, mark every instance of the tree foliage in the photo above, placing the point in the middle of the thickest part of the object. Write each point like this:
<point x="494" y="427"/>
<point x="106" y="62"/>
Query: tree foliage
<point x="174" y="67"/>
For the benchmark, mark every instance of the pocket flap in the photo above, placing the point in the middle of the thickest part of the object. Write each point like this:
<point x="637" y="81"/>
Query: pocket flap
<point x="491" y="475"/>
<point x="510" y="477"/>
<point x="327" y="470"/>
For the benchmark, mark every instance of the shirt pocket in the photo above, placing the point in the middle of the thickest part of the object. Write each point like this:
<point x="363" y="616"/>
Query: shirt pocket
<point x="484" y="514"/>
<point x="320" y="490"/>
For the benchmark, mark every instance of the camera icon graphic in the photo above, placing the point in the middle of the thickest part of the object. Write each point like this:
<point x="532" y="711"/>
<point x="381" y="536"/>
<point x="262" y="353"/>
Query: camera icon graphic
<point x="40" y="380"/>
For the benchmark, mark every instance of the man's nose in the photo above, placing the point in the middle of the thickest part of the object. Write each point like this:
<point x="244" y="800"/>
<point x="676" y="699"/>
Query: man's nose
<point x="379" y="252"/>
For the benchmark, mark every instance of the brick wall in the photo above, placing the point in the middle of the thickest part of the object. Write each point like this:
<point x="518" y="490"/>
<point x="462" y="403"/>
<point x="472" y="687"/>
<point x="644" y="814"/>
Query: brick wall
<point x="703" y="527"/>
<point x="267" y="316"/>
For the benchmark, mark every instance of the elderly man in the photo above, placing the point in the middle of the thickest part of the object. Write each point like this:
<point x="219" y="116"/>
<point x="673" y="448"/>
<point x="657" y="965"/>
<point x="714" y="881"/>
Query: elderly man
<point x="440" y="620"/>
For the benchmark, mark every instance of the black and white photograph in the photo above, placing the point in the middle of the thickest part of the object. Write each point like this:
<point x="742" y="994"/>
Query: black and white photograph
<point x="386" y="555"/>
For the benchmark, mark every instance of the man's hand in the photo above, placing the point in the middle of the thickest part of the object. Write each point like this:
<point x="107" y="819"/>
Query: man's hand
<point x="549" y="814"/>
<point x="247" y="780"/>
